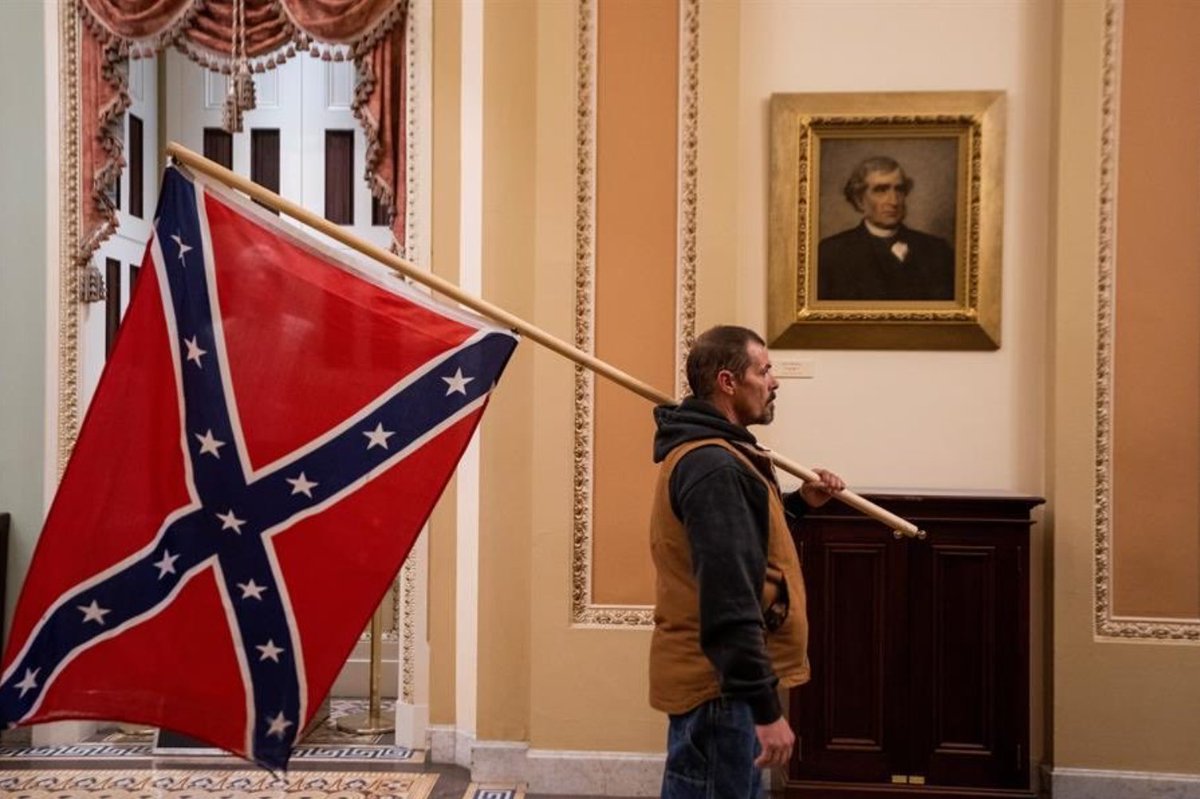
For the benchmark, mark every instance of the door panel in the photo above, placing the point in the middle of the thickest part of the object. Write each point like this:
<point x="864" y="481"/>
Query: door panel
<point x="844" y="715"/>
<point x="125" y="247"/>
<point x="968" y="707"/>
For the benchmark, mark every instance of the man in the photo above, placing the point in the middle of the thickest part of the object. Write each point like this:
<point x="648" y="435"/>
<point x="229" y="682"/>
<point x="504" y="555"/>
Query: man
<point x="729" y="616"/>
<point x="881" y="258"/>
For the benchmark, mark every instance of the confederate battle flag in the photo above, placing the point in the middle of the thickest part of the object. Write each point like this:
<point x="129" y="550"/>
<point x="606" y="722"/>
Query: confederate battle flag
<point x="266" y="441"/>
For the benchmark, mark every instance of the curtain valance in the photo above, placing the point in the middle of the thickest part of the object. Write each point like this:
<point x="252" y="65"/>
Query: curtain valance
<point x="237" y="38"/>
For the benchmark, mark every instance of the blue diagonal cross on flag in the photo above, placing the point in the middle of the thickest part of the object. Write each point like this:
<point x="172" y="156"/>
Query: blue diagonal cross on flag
<point x="263" y="448"/>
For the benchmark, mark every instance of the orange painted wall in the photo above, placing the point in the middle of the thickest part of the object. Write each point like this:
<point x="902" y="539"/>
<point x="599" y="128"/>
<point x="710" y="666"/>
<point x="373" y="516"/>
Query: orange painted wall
<point x="637" y="86"/>
<point x="1156" y="420"/>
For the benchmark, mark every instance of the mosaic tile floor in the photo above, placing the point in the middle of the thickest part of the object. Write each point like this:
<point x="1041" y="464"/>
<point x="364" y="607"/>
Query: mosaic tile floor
<point x="122" y="763"/>
<point x="322" y="743"/>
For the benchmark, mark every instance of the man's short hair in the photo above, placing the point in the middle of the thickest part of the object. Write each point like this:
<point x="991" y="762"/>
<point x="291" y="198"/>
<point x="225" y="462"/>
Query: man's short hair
<point x="715" y="350"/>
<point x="857" y="183"/>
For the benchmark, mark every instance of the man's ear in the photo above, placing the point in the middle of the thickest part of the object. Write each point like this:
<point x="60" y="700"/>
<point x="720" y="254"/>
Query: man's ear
<point x="726" y="381"/>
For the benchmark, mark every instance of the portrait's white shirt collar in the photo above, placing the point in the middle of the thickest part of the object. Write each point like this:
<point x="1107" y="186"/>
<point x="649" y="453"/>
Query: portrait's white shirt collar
<point x="876" y="230"/>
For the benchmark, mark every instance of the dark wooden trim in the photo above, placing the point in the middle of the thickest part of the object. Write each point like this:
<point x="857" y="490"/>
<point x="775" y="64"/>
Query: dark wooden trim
<point x="218" y="146"/>
<point x="264" y="160"/>
<point x="339" y="176"/>
<point x="137" y="171"/>
<point x="112" y="303"/>
<point x="804" y="789"/>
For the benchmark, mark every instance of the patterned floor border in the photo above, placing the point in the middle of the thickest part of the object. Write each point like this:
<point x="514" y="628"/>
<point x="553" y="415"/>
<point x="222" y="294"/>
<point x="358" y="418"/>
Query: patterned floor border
<point x="210" y="784"/>
<point x="486" y="790"/>
<point x="108" y="751"/>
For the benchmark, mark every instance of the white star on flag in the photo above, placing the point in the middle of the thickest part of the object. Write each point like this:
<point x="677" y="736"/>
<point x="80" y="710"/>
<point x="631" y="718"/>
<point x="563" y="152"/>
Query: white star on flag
<point x="279" y="725"/>
<point x="209" y="444"/>
<point x="302" y="485"/>
<point x="194" y="351"/>
<point x="378" y="436"/>
<point x="457" y="384"/>
<point x="231" y="522"/>
<point x="183" y="248"/>
<point x="93" y="612"/>
<point x="167" y="564"/>
<point x="269" y="651"/>
<point x="29" y="682"/>
<point x="251" y="589"/>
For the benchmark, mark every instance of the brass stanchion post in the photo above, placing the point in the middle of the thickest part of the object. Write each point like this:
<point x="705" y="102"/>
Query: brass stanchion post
<point x="371" y="722"/>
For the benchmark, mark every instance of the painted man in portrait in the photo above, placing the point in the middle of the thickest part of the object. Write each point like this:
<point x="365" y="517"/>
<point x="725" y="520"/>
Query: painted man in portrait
<point x="881" y="258"/>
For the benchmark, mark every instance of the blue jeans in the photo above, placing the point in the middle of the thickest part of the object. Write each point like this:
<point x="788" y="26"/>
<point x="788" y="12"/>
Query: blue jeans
<point x="710" y="753"/>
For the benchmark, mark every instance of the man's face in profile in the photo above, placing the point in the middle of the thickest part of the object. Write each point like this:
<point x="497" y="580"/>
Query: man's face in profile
<point x="883" y="199"/>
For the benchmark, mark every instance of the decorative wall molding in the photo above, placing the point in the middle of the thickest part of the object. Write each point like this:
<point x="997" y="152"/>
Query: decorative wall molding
<point x="1107" y="624"/>
<point x="70" y="193"/>
<point x="417" y="65"/>
<point x="583" y="610"/>
<point x="411" y="592"/>
<point x="689" y="104"/>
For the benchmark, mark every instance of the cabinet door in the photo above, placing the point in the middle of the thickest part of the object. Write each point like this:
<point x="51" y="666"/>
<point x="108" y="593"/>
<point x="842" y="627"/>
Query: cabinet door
<point x="969" y="709"/>
<point x="849" y="718"/>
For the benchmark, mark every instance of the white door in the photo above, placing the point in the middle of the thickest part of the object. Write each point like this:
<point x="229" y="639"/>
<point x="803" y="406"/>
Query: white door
<point x="304" y="106"/>
<point x="119" y="257"/>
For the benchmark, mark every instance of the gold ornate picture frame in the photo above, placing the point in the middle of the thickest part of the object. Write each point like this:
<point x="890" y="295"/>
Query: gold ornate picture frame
<point x="836" y="281"/>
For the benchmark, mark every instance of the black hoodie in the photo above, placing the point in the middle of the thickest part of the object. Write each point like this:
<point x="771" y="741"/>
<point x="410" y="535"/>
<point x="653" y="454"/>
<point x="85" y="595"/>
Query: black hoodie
<point x="723" y="507"/>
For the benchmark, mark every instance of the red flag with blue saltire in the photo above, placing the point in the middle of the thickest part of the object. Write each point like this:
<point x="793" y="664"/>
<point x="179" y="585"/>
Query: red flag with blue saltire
<point x="268" y="437"/>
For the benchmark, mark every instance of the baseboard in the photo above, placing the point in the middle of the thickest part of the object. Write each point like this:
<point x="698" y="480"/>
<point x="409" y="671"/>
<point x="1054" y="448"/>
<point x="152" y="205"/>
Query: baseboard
<point x="448" y="745"/>
<point x="1080" y="783"/>
<point x="440" y="743"/>
<point x="573" y="773"/>
<point x="56" y="733"/>
<point x="549" y="771"/>
<point x="412" y="724"/>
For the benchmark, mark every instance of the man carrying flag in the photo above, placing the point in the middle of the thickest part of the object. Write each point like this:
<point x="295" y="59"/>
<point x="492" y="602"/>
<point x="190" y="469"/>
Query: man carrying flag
<point x="272" y="423"/>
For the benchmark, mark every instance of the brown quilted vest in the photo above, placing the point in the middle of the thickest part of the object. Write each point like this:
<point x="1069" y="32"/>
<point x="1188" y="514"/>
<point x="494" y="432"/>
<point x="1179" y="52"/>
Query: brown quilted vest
<point x="681" y="676"/>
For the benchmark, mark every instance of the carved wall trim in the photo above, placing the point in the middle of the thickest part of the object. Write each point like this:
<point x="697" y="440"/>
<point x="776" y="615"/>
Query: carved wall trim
<point x="689" y="103"/>
<point x="414" y="575"/>
<point x="1107" y="624"/>
<point x="412" y="72"/>
<point x="583" y="610"/>
<point x="70" y="193"/>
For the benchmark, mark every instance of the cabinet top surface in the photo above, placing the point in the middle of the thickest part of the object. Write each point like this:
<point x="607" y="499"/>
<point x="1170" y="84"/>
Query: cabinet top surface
<point x="949" y="493"/>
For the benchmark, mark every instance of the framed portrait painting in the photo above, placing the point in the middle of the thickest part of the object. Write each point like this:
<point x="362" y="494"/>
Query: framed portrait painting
<point x="886" y="211"/>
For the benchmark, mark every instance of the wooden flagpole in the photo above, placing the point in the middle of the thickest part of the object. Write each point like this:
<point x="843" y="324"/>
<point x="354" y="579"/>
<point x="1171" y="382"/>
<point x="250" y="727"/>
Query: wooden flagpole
<point x="267" y="197"/>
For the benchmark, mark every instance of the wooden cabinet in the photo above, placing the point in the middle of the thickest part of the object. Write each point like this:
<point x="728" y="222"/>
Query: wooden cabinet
<point x="919" y="650"/>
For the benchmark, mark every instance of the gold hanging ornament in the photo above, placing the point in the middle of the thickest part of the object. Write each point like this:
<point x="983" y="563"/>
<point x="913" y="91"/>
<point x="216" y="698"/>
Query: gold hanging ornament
<point x="240" y="97"/>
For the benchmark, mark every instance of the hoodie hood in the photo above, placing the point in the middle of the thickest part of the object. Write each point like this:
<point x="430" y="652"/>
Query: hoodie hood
<point x="690" y="420"/>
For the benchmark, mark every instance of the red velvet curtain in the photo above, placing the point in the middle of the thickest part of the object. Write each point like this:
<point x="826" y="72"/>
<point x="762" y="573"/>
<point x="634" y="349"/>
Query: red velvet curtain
<point x="371" y="30"/>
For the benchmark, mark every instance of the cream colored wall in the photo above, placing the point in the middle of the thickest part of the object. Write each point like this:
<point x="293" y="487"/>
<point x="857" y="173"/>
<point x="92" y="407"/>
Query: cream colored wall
<point x="447" y="55"/>
<point x="588" y="685"/>
<point x="506" y="498"/>
<point x="1117" y="705"/>
<point x="912" y="419"/>
<point x="25" y="145"/>
<point x="919" y="419"/>
<point x="915" y="419"/>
